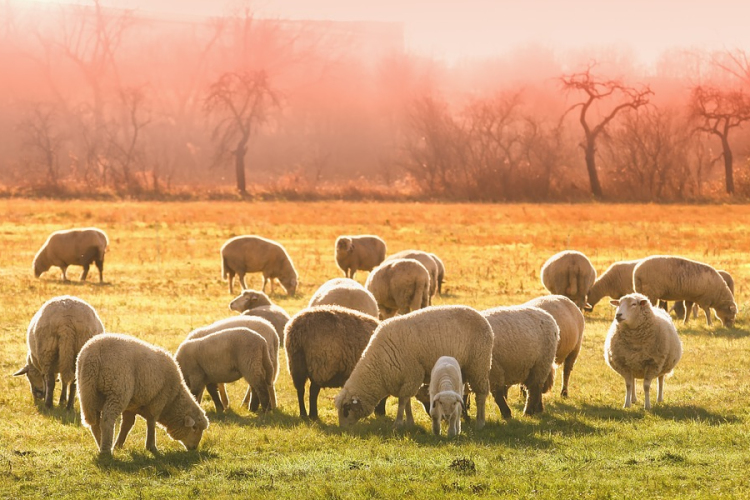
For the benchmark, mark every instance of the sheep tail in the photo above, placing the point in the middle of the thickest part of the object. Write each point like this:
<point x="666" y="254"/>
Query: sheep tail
<point x="269" y="372"/>
<point x="572" y="282"/>
<point x="224" y="267"/>
<point x="550" y="382"/>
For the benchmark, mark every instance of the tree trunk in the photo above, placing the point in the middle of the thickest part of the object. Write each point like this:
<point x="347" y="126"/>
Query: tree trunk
<point x="596" y="188"/>
<point x="239" y="166"/>
<point x="728" y="164"/>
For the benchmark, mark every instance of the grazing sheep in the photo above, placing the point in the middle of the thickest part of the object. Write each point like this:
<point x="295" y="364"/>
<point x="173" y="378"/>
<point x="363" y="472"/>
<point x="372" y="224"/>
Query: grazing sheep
<point x="345" y="292"/>
<point x="446" y="395"/>
<point x="440" y="272"/>
<point x="399" y="286"/>
<point x="525" y="343"/>
<point x="569" y="273"/>
<point x="260" y="326"/>
<point x="402" y="352"/>
<point x="226" y="356"/>
<point x="642" y="342"/>
<point x="255" y="303"/>
<point x="426" y="260"/>
<point x="669" y="277"/>
<point x="72" y="247"/>
<point x="252" y="254"/>
<point x="359" y="253"/>
<point x="55" y="336"/>
<point x="121" y="375"/>
<point x="323" y="344"/>
<point x="615" y="282"/>
<point x="570" y="321"/>
<point x="679" y="306"/>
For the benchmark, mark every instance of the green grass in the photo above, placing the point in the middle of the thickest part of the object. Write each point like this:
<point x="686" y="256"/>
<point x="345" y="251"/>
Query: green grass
<point x="162" y="274"/>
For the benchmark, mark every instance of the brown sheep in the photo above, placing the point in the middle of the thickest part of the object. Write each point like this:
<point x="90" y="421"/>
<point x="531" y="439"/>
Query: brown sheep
<point x="73" y="247"/>
<point x="253" y="254"/>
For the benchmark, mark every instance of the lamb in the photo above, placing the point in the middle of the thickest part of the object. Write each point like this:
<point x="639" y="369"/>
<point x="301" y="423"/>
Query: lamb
<point x="440" y="272"/>
<point x="224" y="357"/>
<point x="642" y="342"/>
<point x="570" y="321"/>
<point x="255" y="303"/>
<point x="669" y="277"/>
<point x="399" y="286"/>
<point x="72" y="247"/>
<point x="525" y="344"/>
<point x="119" y="374"/>
<point x="55" y="336"/>
<point x="323" y="344"/>
<point x="446" y="395"/>
<point x="569" y="273"/>
<point x="359" y="253"/>
<point x="345" y="292"/>
<point x="615" y="282"/>
<point x="252" y="254"/>
<point x="426" y="260"/>
<point x="679" y="306"/>
<point x="402" y="352"/>
<point x="260" y="326"/>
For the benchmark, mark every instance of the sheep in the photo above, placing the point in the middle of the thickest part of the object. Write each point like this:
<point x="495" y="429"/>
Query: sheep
<point x="399" y="286"/>
<point x="523" y="352"/>
<point x="72" y="247"/>
<point x="679" y="306"/>
<point x="440" y="272"/>
<point x="255" y="303"/>
<point x="570" y="321"/>
<point x="226" y="356"/>
<point x="345" y="292"/>
<point x="446" y="395"/>
<point x="121" y="375"/>
<point x="358" y="253"/>
<point x="55" y="336"/>
<point x="426" y="260"/>
<point x="252" y="254"/>
<point x="323" y="344"/>
<point x="569" y="273"/>
<point x="669" y="277"/>
<point x="402" y="352"/>
<point x="260" y="326"/>
<point x="642" y="342"/>
<point x="615" y="282"/>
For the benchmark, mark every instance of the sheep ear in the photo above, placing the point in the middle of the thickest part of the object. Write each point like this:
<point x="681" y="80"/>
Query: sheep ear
<point x="643" y="302"/>
<point x="22" y="371"/>
<point x="189" y="422"/>
<point x="588" y="307"/>
<point x="615" y="303"/>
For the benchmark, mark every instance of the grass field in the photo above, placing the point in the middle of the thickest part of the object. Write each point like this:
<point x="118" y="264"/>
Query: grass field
<point x="162" y="276"/>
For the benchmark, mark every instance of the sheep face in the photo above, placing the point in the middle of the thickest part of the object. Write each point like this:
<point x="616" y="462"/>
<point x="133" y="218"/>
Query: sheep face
<point x="344" y="246"/>
<point x="250" y="299"/>
<point x="631" y="309"/>
<point x="40" y="266"/>
<point x="290" y="285"/>
<point x="445" y="404"/>
<point x="349" y="408"/>
<point x="36" y="380"/>
<point x="190" y="433"/>
<point x="726" y="312"/>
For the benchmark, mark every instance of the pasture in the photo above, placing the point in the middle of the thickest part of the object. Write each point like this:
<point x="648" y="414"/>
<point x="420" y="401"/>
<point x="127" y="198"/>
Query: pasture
<point x="162" y="274"/>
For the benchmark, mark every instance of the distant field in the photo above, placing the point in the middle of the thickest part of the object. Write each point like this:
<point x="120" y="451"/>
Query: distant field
<point x="162" y="276"/>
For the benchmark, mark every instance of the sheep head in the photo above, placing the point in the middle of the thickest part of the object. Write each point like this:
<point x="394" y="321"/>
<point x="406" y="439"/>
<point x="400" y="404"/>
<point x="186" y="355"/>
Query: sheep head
<point x="726" y="312"/>
<point x="36" y="380"/>
<point x="631" y="309"/>
<point x="249" y="299"/>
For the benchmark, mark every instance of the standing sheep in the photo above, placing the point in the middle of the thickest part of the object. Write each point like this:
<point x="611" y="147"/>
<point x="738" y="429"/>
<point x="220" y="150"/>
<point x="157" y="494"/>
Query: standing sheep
<point x="570" y="321"/>
<point x="226" y="356"/>
<point x="440" y="272"/>
<point x="359" y="253"/>
<point x="569" y="273"/>
<point x="73" y="247"/>
<point x="402" y="352"/>
<point x="446" y="395"/>
<point x="399" y="286"/>
<point x="323" y="344"/>
<point x="255" y="303"/>
<point x="679" y="306"/>
<point x="345" y="292"/>
<point x="615" y="282"/>
<point x="252" y="254"/>
<point x="55" y="336"/>
<point x="121" y="375"/>
<point x="642" y="342"/>
<point x="424" y="258"/>
<point x="669" y="277"/>
<point x="525" y="343"/>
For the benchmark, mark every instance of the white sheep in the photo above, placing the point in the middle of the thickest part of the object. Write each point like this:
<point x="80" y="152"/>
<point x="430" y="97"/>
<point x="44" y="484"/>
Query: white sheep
<point x="642" y="342"/>
<point x="615" y="282"/>
<point x="446" y="395"/>
<point x="680" y="308"/>
<point x="440" y="272"/>
<point x="121" y="375"/>
<point x="73" y="247"/>
<point x="224" y="357"/>
<point x="523" y="352"/>
<point x="345" y="292"/>
<point x="55" y="336"/>
<point x="255" y="303"/>
<point x="358" y="253"/>
<point x="399" y="286"/>
<point x="570" y="321"/>
<point x="323" y="344"/>
<point x="669" y="277"/>
<point x="424" y="258"/>
<point x="402" y="352"/>
<point x="569" y="273"/>
<point x="253" y="254"/>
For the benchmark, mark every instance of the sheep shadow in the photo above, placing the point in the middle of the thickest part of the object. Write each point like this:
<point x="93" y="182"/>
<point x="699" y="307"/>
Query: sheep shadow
<point x="697" y="329"/>
<point x="273" y="419"/>
<point x="677" y="413"/>
<point x="165" y="464"/>
<point x="59" y="413"/>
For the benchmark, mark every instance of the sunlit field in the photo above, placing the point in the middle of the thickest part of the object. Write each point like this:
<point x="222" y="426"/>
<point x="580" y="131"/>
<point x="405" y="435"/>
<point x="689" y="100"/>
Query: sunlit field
<point x="162" y="279"/>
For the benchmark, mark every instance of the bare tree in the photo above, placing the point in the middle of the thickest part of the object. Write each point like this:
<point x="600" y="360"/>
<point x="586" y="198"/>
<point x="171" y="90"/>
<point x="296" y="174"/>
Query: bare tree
<point x="596" y="92"/>
<point x="124" y="135"/>
<point x="44" y="139"/>
<point x="242" y="100"/>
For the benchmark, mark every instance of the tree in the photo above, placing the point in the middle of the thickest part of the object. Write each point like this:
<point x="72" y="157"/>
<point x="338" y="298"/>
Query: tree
<point x="718" y="111"/>
<point x="242" y="100"/>
<point x="44" y="139"/>
<point x="597" y="91"/>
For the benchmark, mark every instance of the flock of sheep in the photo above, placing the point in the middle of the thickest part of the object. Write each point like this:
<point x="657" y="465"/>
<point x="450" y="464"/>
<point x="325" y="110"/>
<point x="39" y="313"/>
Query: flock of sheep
<point x="348" y="337"/>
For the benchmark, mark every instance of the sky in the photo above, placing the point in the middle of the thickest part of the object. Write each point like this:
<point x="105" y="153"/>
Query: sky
<point x="459" y="29"/>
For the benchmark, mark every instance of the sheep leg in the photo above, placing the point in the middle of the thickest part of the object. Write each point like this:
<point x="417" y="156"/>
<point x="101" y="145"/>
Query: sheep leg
<point x="404" y="406"/>
<point x="707" y="310"/>
<point x="265" y="280"/>
<point x="100" y="266"/>
<point x="660" y="389"/>
<point x="63" y="393"/>
<point x="570" y="361"/>
<point x="85" y="272"/>
<point x="64" y="270"/>
<point x="248" y="397"/>
<point x="409" y="415"/>
<point x="241" y="277"/>
<point x="629" y="389"/>
<point x="481" y="404"/>
<point x="94" y="421"/>
<point x="500" y="396"/>
<point x="314" y="391"/>
<point x="436" y="423"/>
<point x="454" y="424"/>
<point x="253" y="401"/>
<point x="109" y="417"/>
<point x="646" y="389"/>
<point x="380" y="407"/>
<point x="151" y="436"/>
<point x="533" y="401"/>
<point x="49" y="388"/>
<point x="213" y="391"/>
<point x="230" y="278"/>
<point x="128" y="419"/>
<point x="223" y="395"/>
